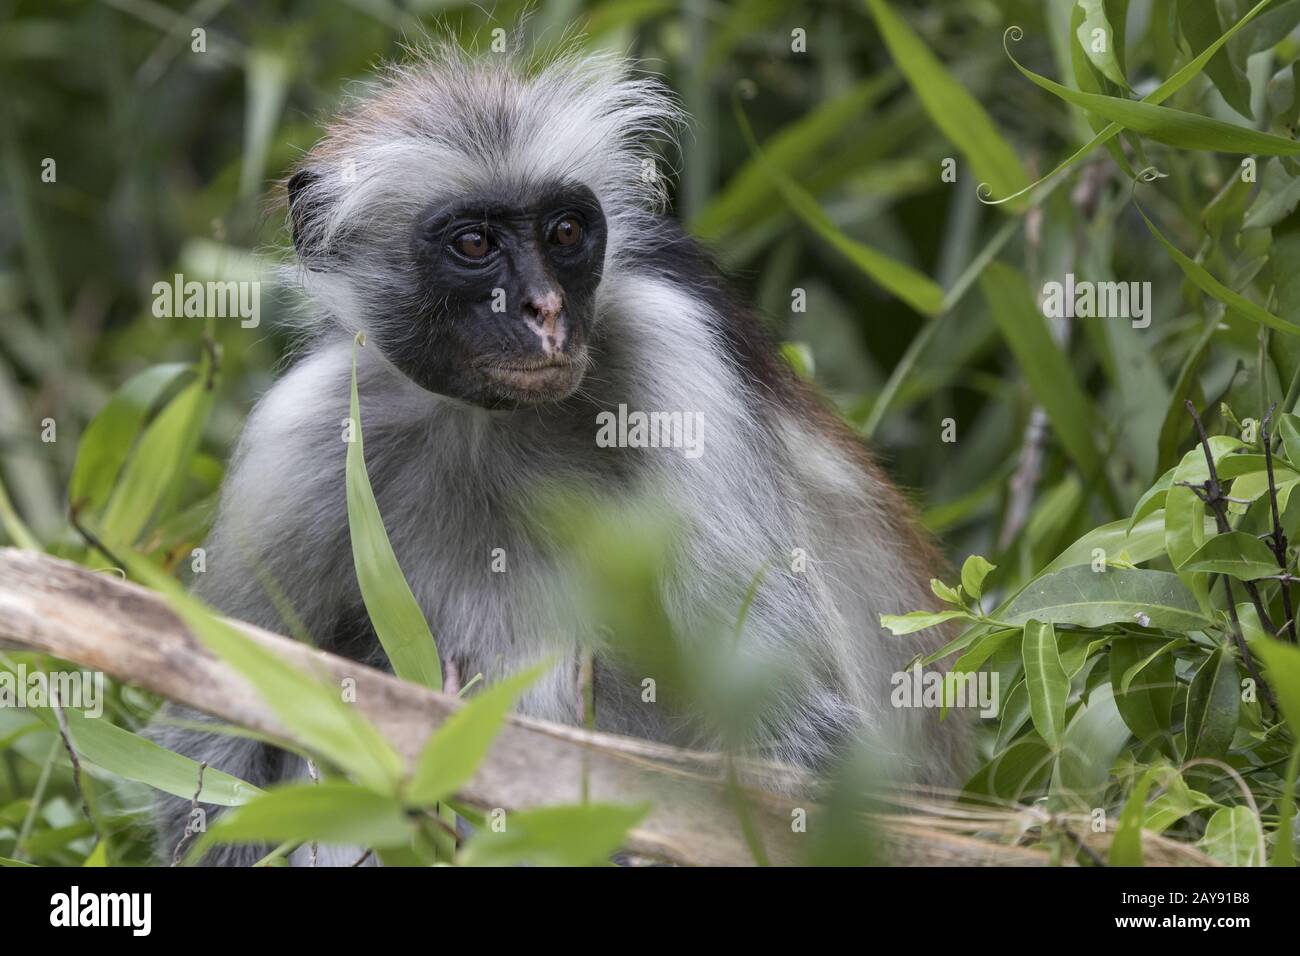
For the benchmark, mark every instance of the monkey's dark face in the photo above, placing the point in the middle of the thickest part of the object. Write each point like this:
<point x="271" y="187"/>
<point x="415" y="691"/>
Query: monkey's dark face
<point x="502" y="293"/>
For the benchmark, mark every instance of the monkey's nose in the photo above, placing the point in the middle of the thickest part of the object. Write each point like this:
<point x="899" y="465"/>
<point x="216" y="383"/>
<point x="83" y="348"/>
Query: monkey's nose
<point x="543" y="314"/>
<point x="544" y="307"/>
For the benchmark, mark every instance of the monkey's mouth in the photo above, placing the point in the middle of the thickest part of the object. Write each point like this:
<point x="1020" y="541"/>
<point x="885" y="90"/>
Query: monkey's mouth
<point x="534" y="380"/>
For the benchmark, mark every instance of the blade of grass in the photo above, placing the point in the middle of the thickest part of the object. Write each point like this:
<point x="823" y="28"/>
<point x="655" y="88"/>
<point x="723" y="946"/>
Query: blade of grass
<point x="1043" y="364"/>
<point x="1234" y="302"/>
<point x="915" y="288"/>
<point x="160" y="461"/>
<point x="107" y="440"/>
<point x="953" y="109"/>
<point x="394" y="612"/>
<point x="14" y="527"/>
<point x="793" y="147"/>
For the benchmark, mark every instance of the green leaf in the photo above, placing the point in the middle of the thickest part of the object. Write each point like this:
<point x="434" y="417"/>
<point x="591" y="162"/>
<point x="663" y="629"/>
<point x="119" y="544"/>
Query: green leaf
<point x="1044" y="366"/>
<point x="1284" y="267"/>
<point x="583" y="835"/>
<point x="981" y="650"/>
<point x="913" y="287"/>
<point x="949" y="595"/>
<point x="1076" y="647"/>
<point x="1016" y="774"/>
<point x="1254" y="486"/>
<point x="1185" y="518"/>
<point x="900" y="624"/>
<point x="1187" y="387"/>
<point x="1078" y="595"/>
<point x="1213" y="706"/>
<point x="799" y="356"/>
<point x="107" y="439"/>
<point x="1284" y="836"/>
<point x="313" y="711"/>
<point x="394" y="612"/>
<point x="1046" y="681"/>
<point x="973" y="572"/>
<point x="159" y="464"/>
<point x="1234" y="837"/>
<point x="268" y="73"/>
<point x="456" y="749"/>
<point x="1093" y="740"/>
<point x="1199" y="21"/>
<point x="1272" y="27"/>
<point x="1278" y="195"/>
<point x="1142" y="678"/>
<point x="1222" y="215"/>
<point x="1283" y="662"/>
<point x="1166" y="125"/>
<point x="1144" y="542"/>
<point x="1235" y="303"/>
<point x="952" y="108"/>
<point x="1178" y="801"/>
<point x="974" y="636"/>
<point x="98" y="856"/>
<point x="133" y="757"/>
<point x="1128" y="673"/>
<point x="1152" y="500"/>
<point x="1235" y="466"/>
<point x="800" y="144"/>
<point x="1126" y="845"/>
<point x="331" y="812"/>
<point x="1236" y="554"/>
<point x="19" y="534"/>
<point x="1013" y="715"/>
<point x="1288" y="427"/>
<point x="1106" y="50"/>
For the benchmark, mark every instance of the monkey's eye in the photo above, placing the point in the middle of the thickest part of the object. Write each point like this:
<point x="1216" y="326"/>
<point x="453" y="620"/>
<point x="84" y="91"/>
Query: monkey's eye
<point x="473" y="244"/>
<point x="567" y="232"/>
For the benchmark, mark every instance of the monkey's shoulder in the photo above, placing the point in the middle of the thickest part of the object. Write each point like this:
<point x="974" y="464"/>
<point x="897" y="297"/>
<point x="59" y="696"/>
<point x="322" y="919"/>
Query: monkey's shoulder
<point x="769" y="384"/>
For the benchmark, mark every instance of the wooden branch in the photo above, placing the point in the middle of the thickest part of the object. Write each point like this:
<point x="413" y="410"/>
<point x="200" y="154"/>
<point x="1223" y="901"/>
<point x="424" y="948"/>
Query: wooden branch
<point x="102" y="623"/>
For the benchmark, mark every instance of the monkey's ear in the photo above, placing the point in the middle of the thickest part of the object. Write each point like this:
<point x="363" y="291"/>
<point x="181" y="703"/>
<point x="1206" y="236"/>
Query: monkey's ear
<point x="300" y="207"/>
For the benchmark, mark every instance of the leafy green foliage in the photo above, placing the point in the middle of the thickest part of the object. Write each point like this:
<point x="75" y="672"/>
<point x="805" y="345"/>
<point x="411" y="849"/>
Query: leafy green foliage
<point x="1120" y="660"/>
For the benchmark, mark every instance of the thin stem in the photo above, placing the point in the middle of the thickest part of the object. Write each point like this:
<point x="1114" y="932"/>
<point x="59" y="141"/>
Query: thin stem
<point x="66" y="736"/>
<point x="1277" y="539"/>
<point x="182" y="843"/>
<point x="1213" y="496"/>
<point x="38" y="797"/>
<point x="1239" y="638"/>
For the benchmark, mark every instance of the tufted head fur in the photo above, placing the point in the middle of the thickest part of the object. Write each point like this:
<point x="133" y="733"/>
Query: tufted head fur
<point x="451" y="125"/>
